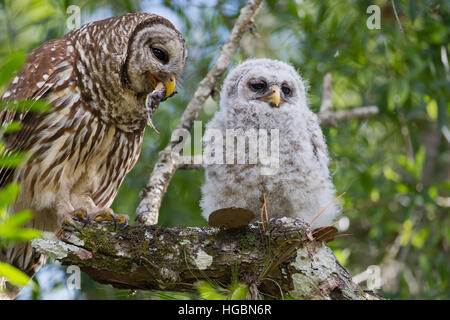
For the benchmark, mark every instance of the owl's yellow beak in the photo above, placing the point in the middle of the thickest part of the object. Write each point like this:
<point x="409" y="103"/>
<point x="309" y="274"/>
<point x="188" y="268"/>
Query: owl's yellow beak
<point x="169" y="84"/>
<point x="274" y="96"/>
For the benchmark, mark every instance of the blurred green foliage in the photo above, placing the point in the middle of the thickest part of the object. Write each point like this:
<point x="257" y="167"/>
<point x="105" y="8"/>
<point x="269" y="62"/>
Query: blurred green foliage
<point x="394" y="168"/>
<point x="12" y="228"/>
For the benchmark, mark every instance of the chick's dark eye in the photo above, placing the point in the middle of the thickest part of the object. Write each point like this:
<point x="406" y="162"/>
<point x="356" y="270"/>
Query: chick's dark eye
<point x="286" y="90"/>
<point x="160" y="54"/>
<point x="258" y="86"/>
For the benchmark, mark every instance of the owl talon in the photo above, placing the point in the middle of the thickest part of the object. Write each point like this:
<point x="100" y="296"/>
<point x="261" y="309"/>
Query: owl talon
<point x="69" y="221"/>
<point x="123" y="219"/>
<point x="80" y="214"/>
<point x="109" y="215"/>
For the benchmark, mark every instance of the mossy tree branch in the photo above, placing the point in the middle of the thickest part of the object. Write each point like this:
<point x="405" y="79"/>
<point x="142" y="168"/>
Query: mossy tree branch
<point x="277" y="262"/>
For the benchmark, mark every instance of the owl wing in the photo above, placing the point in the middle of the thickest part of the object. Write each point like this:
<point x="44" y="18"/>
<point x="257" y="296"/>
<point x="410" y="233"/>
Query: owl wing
<point x="36" y="80"/>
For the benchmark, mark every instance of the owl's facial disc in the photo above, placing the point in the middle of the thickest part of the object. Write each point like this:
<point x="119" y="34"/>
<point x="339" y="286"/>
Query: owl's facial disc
<point x="156" y="54"/>
<point x="155" y="59"/>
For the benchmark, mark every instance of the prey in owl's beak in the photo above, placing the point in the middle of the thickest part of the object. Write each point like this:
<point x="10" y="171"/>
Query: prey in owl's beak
<point x="162" y="91"/>
<point x="273" y="98"/>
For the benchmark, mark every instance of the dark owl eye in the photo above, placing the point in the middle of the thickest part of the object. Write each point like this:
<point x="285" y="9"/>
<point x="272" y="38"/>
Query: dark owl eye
<point x="286" y="90"/>
<point x="160" y="55"/>
<point x="258" y="86"/>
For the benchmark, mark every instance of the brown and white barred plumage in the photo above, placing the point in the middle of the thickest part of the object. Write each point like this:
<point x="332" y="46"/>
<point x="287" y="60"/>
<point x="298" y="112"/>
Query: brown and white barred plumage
<point x="78" y="154"/>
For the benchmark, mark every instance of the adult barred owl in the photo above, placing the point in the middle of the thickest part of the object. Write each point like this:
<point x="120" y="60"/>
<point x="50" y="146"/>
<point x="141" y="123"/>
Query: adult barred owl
<point x="96" y="79"/>
<point x="269" y="95"/>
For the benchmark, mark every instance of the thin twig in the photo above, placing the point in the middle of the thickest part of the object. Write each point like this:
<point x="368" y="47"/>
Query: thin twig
<point x="329" y="118"/>
<point x="396" y="16"/>
<point x="335" y="237"/>
<point x="406" y="135"/>
<point x="327" y="226"/>
<point x="326" y="93"/>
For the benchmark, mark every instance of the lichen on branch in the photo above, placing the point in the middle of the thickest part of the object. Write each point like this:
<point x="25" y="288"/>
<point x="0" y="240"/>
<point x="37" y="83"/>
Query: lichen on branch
<point x="279" y="261"/>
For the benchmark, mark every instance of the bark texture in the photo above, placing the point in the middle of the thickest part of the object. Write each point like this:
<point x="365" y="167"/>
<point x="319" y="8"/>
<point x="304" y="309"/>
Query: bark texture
<point x="278" y="261"/>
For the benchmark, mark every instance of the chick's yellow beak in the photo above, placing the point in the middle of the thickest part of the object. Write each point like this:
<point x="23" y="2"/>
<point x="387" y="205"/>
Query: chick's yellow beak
<point x="273" y="97"/>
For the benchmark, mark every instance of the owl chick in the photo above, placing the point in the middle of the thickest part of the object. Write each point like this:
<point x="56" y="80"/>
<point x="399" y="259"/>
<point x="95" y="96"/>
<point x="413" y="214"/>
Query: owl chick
<point x="97" y="79"/>
<point x="267" y="96"/>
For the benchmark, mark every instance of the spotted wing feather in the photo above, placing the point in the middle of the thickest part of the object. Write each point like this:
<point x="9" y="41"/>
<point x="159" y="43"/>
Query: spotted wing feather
<point x="36" y="80"/>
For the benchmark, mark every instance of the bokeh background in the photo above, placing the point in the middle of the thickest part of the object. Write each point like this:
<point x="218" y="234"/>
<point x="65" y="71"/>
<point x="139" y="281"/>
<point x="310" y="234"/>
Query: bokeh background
<point x="394" y="167"/>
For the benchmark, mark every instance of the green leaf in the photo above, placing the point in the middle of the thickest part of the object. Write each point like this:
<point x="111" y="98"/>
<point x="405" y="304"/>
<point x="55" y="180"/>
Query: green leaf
<point x="398" y="94"/>
<point x="342" y="255"/>
<point x="9" y="194"/>
<point x="13" y="127"/>
<point x="35" y="106"/>
<point x="11" y="229"/>
<point x="391" y="174"/>
<point x="10" y="67"/>
<point x="20" y="235"/>
<point x="19" y="218"/>
<point x="238" y="291"/>
<point x="419" y="239"/>
<point x="13" y="160"/>
<point x="432" y="110"/>
<point x="406" y="233"/>
<point x="173" y="296"/>
<point x="15" y="276"/>
<point x="402" y="188"/>
<point x="208" y="292"/>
